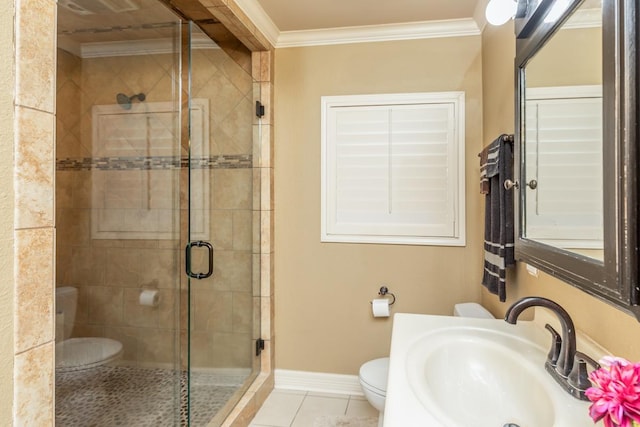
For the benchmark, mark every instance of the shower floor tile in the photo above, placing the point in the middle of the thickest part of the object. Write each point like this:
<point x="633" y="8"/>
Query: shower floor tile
<point x="109" y="396"/>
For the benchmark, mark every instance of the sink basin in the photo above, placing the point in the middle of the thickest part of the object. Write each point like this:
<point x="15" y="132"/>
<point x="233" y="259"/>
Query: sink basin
<point x="477" y="377"/>
<point x="460" y="372"/>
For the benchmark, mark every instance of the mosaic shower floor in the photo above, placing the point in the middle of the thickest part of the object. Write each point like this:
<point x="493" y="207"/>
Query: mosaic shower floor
<point x="109" y="396"/>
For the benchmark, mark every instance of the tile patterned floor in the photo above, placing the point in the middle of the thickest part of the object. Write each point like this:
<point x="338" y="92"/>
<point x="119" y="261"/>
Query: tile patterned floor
<point x="110" y="396"/>
<point x="285" y="408"/>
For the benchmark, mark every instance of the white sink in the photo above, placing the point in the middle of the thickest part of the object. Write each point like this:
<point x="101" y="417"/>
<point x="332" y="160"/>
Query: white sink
<point x="481" y="371"/>
<point x="458" y="372"/>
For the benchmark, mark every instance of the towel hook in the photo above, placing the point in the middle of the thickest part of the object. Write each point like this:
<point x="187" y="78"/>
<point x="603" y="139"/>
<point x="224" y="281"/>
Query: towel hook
<point x="385" y="291"/>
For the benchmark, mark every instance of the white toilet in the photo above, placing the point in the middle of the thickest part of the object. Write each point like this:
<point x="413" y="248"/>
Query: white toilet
<point x="74" y="354"/>
<point x="373" y="374"/>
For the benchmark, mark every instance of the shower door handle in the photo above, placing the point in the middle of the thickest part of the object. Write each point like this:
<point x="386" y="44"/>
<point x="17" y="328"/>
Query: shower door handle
<point x="187" y="255"/>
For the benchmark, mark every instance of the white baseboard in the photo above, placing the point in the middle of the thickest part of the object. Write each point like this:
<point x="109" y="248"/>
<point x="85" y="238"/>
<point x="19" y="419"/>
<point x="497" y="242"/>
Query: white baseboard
<point x="318" y="382"/>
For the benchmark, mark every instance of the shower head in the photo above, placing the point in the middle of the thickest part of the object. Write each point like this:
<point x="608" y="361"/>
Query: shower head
<point x="125" y="101"/>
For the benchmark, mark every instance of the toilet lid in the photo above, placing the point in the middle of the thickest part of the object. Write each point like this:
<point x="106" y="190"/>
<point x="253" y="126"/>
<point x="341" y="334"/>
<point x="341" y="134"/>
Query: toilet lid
<point x="83" y="353"/>
<point x="374" y="373"/>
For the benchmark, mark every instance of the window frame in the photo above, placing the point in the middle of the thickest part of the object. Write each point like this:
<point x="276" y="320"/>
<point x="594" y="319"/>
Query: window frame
<point x="455" y="98"/>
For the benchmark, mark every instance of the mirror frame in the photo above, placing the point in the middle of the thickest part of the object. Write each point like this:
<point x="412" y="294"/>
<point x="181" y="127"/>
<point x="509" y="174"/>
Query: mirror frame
<point x="614" y="280"/>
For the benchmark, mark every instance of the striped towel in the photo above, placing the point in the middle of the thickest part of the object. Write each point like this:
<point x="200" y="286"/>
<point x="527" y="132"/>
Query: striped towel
<point x="488" y="165"/>
<point x="496" y="166"/>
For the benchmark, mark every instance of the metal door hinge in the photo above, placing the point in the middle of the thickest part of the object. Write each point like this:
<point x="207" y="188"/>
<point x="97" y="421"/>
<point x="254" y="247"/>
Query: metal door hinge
<point x="259" y="109"/>
<point x="259" y="346"/>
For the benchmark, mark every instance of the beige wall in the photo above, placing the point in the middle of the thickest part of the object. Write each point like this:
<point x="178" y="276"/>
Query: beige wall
<point x="323" y="318"/>
<point x="612" y="328"/>
<point x="570" y="57"/>
<point x="7" y="89"/>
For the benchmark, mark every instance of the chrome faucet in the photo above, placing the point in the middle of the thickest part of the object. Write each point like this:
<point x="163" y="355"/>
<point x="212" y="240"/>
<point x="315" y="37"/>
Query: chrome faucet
<point x="562" y="364"/>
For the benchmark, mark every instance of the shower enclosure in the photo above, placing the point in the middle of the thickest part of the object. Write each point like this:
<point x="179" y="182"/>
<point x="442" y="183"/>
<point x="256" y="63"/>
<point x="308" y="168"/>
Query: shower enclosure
<point x="155" y="218"/>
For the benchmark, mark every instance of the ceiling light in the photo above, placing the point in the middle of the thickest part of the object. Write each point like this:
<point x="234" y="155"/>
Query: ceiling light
<point x="499" y="12"/>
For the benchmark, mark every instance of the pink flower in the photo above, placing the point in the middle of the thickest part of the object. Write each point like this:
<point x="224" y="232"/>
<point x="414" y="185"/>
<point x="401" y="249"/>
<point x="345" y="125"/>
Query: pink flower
<point x="616" y="394"/>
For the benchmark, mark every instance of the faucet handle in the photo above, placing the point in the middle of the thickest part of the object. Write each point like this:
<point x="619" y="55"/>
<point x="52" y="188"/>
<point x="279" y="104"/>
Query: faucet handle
<point x="579" y="377"/>
<point x="589" y="360"/>
<point x="556" y="346"/>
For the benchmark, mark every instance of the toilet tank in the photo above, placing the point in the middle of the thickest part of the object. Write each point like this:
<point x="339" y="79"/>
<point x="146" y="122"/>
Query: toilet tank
<point x="66" y="303"/>
<point x="471" y="309"/>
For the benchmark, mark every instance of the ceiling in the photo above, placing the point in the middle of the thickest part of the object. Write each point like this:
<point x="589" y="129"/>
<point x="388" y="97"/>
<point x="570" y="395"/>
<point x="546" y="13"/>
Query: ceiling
<point x="285" y="23"/>
<point x="83" y="22"/>
<point x="296" y="15"/>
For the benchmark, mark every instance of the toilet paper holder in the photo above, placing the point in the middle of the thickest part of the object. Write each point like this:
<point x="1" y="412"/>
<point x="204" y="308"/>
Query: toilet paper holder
<point x="384" y="291"/>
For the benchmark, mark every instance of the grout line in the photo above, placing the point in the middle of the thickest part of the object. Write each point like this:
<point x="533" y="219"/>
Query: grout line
<point x="32" y="108"/>
<point x="37" y="346"/>
<point x="346" y="409"/>
<point x="298" y="410"/>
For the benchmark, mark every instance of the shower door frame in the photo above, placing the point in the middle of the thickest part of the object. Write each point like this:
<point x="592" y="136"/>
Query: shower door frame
<point x="36" y="26"/>
<point x="260" y="69"/>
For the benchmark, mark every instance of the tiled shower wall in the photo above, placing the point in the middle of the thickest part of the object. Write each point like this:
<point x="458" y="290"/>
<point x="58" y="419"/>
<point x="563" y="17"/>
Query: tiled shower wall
<point x="33" y="183"/>
<point x="110" y="273"/>
<point x="33" y="255"/>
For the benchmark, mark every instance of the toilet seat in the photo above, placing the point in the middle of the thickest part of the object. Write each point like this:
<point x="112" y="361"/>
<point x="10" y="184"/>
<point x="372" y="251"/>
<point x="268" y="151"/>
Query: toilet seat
<point x="373" y="375"/>
<point x="76" y="354"/>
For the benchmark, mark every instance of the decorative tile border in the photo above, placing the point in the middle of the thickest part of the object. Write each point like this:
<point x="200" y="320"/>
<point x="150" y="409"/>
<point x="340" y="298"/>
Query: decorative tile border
<point x="234" y="161"/>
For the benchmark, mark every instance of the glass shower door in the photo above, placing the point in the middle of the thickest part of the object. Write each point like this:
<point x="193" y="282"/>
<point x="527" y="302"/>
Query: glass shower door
<point x="118" y="214"/>
<point x="223" y="231"/>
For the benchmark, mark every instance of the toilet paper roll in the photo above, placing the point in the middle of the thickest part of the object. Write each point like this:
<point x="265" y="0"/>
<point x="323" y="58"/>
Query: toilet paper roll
<point x="149" y="297"/>
<point x="380" y="307"/>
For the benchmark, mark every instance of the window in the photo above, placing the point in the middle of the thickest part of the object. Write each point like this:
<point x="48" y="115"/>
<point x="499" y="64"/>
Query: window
<point x="564" y="155"/>
<point x="393" y="169"/>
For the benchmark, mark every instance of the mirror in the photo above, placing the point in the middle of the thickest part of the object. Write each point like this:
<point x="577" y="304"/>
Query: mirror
<point x="563" y="183"/>
<point x="575" y="145"/>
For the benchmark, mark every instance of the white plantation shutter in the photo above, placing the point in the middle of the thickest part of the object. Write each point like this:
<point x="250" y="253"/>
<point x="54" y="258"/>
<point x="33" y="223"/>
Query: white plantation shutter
<point x="564" y="155"/>
<point x="392" y="170"/>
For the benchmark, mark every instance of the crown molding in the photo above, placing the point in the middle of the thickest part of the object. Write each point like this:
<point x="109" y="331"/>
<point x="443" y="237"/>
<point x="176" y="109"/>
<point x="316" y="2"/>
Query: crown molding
<point x="133" y="47"/>
<point x="326" y="36"/>
<point x="125" y="48"/>
<point x="260" y="19"/>
<point x="359" y="34"/>
<point x="584" y="18"/>
<point x="379" y="33"/>
<point x="282" y="39"/>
